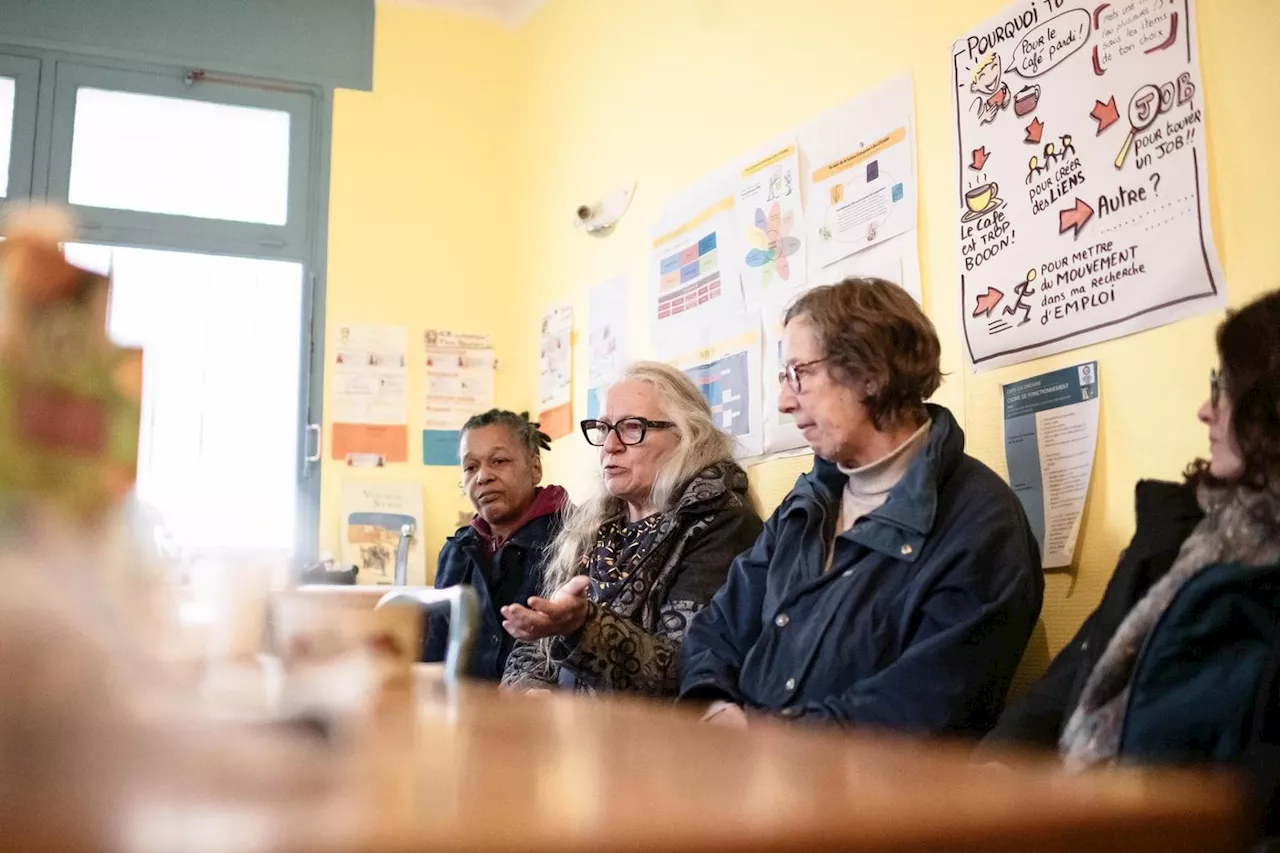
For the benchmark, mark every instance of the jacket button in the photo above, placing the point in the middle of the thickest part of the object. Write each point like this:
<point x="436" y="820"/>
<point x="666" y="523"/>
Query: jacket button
<point x="790" y="711"/>
<point x="846" y="573"/>
<point x="1084" y="646"/>
<point x="781" y="620"/>
<point x="906" y="550"/>
<point x="791" y="684"/>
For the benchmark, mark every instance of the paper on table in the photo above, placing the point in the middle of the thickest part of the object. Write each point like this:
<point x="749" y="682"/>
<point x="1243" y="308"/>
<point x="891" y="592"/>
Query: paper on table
<point x="606" y="339"/>
<point x="1050" y="432"/>
<point x="555" y="377"/>
<point x="372" y="515"/>
<point x="368" y="400"/>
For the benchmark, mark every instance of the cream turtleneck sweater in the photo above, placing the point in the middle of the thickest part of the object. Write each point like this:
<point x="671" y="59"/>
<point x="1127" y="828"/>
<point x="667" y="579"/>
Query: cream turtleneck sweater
<point x="868" y="487"/>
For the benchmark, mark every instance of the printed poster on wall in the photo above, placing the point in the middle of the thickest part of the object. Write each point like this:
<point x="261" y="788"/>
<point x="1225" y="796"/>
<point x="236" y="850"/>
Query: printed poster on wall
<point x="367" y="395"/>
<point x="373" y="517"/>
<point x="770" y="221"/>
<point x="727" y="372"/>
<point x="859" y="165"/>
<point x="1050" y="433"/>
<point x="694" y="283"/>
<point x="1083" y="205"/>
<point x="606" y="339"/>
<point x="555" y="389"/>
<point x="457" y="383"/>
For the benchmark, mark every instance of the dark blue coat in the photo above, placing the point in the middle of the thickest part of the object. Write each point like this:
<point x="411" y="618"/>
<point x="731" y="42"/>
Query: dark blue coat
<point x="511" y="575"/>
<point x="919" y="624"/>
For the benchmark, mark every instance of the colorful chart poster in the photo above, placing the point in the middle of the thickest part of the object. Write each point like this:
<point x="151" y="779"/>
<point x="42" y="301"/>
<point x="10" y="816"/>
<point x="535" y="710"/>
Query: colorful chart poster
<point x="770" y="220"/>
<point x="367" y="395"/>
<point x="1083" y="205"/>
<point x="606" y="339"/>
<point x="458" y="383"/>
<point x="1050" y="433"/>
<point x="374" y="515"/>
<point x="555" y="376"/>
<point x="695" y="286"/>
<point x="728" y="374"/>
<point x="861" y="179"/>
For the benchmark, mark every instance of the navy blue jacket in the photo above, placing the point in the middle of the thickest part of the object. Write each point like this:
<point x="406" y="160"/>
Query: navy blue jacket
<point x="511" y="575"/>
<point x="920" y="622"/>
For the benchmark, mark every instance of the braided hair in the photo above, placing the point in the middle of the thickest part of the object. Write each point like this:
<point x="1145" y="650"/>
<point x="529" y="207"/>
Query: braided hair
<point x="526" y="431"/>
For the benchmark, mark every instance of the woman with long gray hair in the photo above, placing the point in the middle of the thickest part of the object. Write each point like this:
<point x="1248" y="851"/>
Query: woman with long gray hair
<point x="633" y="564"/>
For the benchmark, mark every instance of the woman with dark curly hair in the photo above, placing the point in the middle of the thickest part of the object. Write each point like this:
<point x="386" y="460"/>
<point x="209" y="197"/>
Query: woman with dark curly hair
<point x="1180" y="663"/>
<point x="502" y="552"/>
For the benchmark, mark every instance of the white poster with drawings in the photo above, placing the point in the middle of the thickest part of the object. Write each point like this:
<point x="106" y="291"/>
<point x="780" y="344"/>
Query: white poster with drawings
<point x="606" y="338"/>
<point x="374" y="515"/>
<point x="727" y="372"/>
<point x="1082" y="207"/>
<point x="859" y="165"/>
<point x="771" y="223"/>
<point x="695" y="291"/>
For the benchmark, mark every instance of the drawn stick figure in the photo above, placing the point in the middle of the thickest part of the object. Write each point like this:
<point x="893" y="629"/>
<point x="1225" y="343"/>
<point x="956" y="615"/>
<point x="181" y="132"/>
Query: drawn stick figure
<point x="1023" y="291"/>
<point x="1067" y="148"/>
<point x="1035" y="168"/>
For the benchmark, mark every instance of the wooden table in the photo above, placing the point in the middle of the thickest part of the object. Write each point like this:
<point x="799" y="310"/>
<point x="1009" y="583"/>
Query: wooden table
<point x="469" y="770"/>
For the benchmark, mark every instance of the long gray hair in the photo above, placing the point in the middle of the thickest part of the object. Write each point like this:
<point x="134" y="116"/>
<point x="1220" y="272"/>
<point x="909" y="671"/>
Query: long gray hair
<point x="701" y="444"/>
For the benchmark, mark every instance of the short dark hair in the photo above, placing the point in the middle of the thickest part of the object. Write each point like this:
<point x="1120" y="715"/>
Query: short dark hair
<point x="526" y="431"/>
<point x="872" y="330"/>
<point x="1249" y="353"/>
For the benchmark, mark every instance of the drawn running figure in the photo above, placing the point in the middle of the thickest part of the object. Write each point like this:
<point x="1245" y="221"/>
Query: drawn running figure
<point x="993" y="93"/>
<point x="1023" y="291"/>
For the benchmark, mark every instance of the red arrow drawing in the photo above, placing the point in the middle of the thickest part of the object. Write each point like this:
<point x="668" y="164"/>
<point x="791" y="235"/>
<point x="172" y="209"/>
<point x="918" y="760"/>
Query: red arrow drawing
<point x="1074" y="217"/>
<point x="1105" y="114"/>
<point x="980" y="156"/>
<point x="1034" y="131"/>
<point x="987" y="302"/>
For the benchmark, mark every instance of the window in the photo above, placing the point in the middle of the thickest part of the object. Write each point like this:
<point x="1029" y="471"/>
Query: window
<point x="203" y="198"/>
<point x="218" y="440"/>
<point x="169" y="155"/>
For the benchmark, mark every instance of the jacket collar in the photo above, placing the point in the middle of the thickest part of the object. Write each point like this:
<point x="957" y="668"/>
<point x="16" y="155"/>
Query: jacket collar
<point x="547" y="501"/>
<point x="719" y="483"/>
<point x="912" y="504"/>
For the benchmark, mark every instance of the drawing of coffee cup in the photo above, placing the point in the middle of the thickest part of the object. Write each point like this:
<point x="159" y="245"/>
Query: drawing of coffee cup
<point x="983" y="198"/>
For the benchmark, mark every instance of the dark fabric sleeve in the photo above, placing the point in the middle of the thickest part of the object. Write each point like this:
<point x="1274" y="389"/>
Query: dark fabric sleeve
<point x="435" y="638"/>
<point x="1038" y="717"/>
<point x="615" y="654"/>
<point x="718" y="638"/>
<point x="528" y="668"/>
<point x="972" y="630"/>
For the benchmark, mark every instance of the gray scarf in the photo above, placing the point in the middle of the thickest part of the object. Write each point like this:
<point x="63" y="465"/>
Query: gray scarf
<point x="1240" y="526"/>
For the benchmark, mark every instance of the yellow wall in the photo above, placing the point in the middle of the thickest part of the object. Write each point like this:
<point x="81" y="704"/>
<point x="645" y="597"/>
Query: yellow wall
<point x="594" y="84"/>
<point x="420" y="165"/>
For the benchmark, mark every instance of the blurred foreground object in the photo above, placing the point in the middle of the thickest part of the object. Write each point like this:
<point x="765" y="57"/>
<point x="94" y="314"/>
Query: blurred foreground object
<point x="70" y="400"/>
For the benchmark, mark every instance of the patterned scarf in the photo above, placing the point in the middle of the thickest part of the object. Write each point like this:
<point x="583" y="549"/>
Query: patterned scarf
<point x="1240" y="526"/>
<point x="619" y="549"/>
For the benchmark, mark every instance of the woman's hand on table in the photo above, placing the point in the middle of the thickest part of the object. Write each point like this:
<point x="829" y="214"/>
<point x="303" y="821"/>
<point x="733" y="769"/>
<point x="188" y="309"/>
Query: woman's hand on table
<point x="563" y="614"/>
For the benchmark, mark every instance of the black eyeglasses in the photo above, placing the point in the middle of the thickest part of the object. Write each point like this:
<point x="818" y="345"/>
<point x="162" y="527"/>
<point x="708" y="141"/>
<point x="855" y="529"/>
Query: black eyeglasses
<point x="1215" y="388"/>
<point x="793" y="373"/>
<point x="631" y="431"/>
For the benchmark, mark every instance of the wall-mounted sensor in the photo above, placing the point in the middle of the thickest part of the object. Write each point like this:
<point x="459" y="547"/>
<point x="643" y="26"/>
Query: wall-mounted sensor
<point x="598" y="218"/>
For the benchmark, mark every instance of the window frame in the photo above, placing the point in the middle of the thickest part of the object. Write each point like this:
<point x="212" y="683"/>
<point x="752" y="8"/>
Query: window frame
<point x="50" y="81"/>
<point x="25" y="72"/>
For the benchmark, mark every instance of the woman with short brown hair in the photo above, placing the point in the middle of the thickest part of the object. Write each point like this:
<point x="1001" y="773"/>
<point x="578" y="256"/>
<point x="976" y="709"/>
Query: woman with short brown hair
<point x="897" y="585"/>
